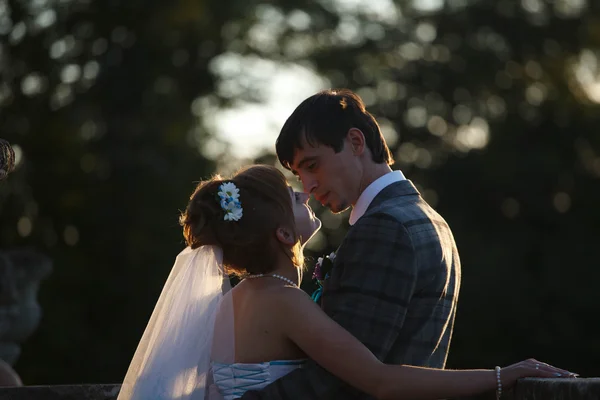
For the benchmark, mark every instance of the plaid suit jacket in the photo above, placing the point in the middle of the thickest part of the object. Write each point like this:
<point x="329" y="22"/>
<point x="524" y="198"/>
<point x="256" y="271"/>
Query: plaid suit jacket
<point x="394" y="285"/>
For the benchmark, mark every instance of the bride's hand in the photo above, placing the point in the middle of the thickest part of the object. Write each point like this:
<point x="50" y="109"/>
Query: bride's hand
<point x="531" y="368"/>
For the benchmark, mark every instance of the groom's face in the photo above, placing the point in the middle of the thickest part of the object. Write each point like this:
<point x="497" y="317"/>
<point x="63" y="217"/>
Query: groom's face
<point x="329" y="176"/>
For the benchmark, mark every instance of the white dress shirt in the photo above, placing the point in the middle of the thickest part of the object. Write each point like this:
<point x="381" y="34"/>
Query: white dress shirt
<point x="367" y="196"/>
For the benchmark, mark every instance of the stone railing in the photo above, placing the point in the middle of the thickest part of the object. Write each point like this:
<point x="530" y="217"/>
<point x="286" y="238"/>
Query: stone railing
<point x="526" y="389"/>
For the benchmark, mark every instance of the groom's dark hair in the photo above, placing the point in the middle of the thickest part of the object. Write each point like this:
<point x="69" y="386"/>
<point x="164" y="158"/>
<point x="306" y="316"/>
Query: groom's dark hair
<point x="325" y="118"/>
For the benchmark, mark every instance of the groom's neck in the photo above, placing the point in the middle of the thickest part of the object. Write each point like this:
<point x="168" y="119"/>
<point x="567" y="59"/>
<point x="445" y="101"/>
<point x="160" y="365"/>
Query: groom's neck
<point x="372" y="172"/>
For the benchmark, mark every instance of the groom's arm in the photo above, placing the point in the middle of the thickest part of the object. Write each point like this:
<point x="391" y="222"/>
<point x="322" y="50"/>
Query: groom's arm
<point x="367" y="294"/>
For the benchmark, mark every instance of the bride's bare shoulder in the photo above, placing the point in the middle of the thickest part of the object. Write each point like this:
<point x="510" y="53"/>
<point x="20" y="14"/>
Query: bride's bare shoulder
<point x="291" y="300"/>
<point x="280" y="295"/>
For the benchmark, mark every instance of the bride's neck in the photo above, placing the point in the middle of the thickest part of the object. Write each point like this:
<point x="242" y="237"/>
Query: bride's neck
<point x="287" y="269"/>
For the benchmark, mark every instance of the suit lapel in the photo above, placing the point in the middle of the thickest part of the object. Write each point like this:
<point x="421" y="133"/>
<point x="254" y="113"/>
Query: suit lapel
<point x="396" y="189"/>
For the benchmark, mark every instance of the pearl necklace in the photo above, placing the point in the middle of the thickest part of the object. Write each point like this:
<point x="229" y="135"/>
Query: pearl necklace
<point x="283" y="278"/>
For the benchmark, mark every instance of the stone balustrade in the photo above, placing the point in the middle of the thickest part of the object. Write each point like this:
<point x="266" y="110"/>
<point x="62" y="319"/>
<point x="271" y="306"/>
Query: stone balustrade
<point x="526" y="389"/>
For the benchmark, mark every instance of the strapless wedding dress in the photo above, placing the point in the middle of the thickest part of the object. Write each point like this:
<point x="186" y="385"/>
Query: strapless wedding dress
<point x="233" y="380"/>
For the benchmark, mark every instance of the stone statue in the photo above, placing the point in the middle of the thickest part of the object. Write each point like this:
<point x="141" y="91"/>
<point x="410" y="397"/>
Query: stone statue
<point x="8" y="376"/>
<point x="7" y="159"/>
<point x="20" y="274"/>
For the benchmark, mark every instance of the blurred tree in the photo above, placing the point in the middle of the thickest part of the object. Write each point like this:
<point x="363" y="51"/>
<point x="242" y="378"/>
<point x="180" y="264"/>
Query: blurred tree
<point x="495" y="103"/>
<point x="96" y="99"/>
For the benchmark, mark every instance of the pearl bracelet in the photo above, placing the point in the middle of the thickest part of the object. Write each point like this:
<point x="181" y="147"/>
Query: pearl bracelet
<point x="499" y="382"/>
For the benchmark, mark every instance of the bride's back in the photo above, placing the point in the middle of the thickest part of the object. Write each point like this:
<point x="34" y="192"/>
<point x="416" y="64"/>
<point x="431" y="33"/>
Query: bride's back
<point x="257" y="331"/>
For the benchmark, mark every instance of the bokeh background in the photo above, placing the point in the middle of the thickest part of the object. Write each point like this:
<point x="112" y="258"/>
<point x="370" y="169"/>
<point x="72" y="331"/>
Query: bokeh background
<point x="117" y="108"/>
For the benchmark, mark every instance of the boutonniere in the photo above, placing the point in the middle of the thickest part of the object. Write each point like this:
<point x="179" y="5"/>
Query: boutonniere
<point x="321" y="273"/>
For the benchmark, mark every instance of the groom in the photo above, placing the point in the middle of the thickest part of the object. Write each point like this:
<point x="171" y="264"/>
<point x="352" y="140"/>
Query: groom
<point x="396" y="275"/>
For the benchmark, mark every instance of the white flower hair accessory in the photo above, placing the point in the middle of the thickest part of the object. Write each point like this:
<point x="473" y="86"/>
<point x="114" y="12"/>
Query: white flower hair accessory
<point x="229" y="198"/>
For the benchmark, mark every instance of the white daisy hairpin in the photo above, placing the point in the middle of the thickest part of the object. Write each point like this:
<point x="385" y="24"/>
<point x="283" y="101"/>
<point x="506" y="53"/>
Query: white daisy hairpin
<point x="229" y="198"/>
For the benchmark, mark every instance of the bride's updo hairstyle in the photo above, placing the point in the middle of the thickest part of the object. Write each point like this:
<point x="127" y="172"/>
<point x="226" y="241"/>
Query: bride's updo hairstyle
<point x="249" y="244"/>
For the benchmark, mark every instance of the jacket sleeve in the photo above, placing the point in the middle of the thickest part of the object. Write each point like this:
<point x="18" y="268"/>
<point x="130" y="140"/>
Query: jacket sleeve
<point x="368" y="293"/>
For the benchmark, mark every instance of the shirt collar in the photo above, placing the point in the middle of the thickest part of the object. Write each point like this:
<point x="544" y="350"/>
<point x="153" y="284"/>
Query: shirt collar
<point x="367" y="196"/>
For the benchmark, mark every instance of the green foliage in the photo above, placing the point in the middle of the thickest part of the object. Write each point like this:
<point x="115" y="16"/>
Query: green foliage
<point x="108" y="160"/>
<point x="490" y="107"/>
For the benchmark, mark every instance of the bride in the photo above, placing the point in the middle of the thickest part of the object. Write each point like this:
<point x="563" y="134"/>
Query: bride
<point x="207" y="341"/>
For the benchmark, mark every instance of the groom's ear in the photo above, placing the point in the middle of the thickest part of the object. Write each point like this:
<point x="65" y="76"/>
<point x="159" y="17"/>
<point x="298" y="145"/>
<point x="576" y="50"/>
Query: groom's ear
<point x="285" y="236"/>
<point x="356" y="140"/>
